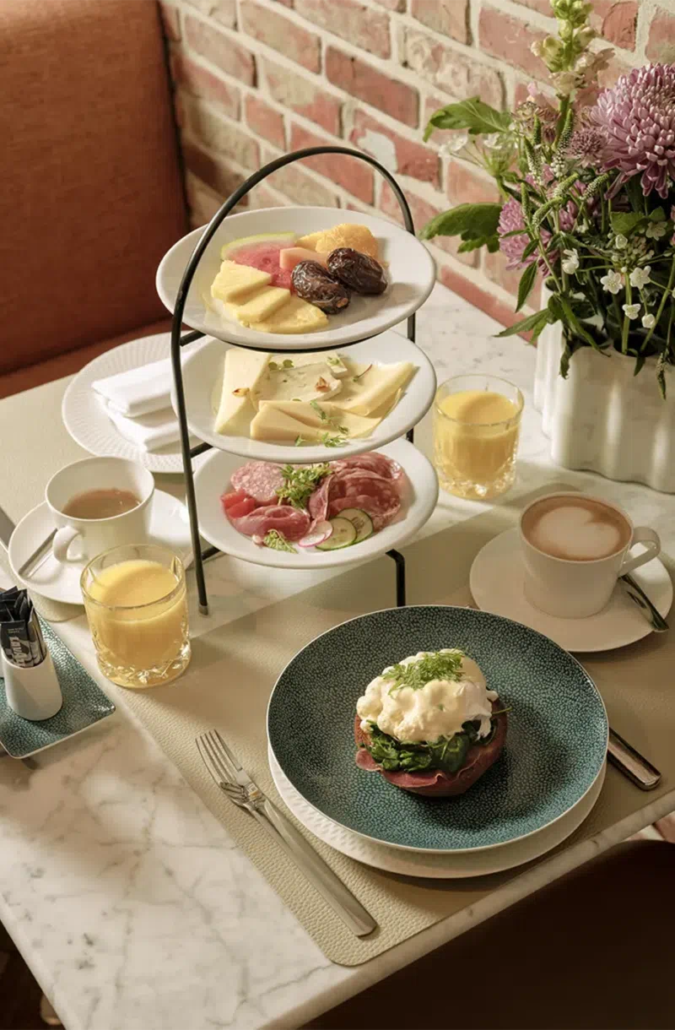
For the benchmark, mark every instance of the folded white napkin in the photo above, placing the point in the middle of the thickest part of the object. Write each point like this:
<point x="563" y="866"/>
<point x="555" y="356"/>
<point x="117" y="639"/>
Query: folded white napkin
<point x="139" y="390"/>
<point x="147" y="432"/>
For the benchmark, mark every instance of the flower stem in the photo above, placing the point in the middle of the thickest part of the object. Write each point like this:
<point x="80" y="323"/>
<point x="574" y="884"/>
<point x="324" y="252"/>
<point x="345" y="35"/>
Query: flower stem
<point x="668" y="293"/>
<point x="626" y="321"/>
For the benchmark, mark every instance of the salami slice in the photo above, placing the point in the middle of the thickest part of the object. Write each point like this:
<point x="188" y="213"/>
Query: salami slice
<point x="291" y="522"/>
<point x="371" y="462"/>
<point x="260" y="480"/>
<point x="318" y="502"/>
<point x="359" y="488"/>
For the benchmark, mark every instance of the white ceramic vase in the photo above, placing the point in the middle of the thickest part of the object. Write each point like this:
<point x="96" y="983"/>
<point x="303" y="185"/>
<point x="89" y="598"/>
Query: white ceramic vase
<point x="604" y="418"/>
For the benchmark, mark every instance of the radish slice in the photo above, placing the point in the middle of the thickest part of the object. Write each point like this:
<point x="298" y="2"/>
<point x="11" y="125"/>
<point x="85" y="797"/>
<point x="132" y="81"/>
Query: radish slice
<point x="258" y="540"/>
<point x="318" y="532"/>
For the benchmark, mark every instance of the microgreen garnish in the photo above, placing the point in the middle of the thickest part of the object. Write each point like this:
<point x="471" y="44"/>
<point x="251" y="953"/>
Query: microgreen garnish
<point x="299" y="441"/>
<point x="333" y="441"/>
<point x="274" y="366"/>
<point x="356" y="378"/>
<point x="440" y="665"/>
<point x="333" y="361"/>
<point x="319" y="410"/>
<point x="300" y="483"/>
<point x="277" y="541"/>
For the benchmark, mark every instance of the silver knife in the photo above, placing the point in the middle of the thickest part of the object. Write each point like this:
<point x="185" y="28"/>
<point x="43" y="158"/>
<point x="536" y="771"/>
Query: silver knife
<point x="631" y="763"/>
<point x="638" y="597"/>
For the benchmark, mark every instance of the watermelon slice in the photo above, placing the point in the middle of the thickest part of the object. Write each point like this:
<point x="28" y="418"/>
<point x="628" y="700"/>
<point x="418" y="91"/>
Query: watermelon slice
<point x="262" y="252"/>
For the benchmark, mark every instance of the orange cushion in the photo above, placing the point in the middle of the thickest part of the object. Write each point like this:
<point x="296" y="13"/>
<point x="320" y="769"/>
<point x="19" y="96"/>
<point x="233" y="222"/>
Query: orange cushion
<point x="91" y="194"/>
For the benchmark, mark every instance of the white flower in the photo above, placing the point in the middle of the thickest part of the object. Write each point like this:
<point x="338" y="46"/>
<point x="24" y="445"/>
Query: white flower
<point x="620" y="241"/>
<point x="571" y="261"/>
<point x="612" y="282"/>
<point x="631" y="310"/>
<point x="648" y="321"/>
<point x="456" y="143"/>
<point x="655" y="230"/>
<point x="639" y="277"/>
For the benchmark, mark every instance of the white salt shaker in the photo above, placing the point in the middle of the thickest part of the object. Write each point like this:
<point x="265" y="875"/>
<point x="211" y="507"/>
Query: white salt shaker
<point x="33" y="693"/>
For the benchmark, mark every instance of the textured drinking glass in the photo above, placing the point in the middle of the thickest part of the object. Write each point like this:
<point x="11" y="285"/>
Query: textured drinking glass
<point x="474" y="452"/>
<point x="136" y="602"/>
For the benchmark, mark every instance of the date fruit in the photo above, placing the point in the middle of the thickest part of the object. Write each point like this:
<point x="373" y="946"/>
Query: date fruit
<point x="360" y="273"/>
<point x="314" y="283"/>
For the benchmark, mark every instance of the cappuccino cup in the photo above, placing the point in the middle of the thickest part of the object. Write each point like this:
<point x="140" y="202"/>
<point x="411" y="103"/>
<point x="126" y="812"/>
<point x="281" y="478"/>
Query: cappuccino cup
<point x="575" y="547"/>
<point x="97" y="504"/>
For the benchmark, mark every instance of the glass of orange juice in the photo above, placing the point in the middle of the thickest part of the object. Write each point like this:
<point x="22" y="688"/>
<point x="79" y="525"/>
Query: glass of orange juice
<point x="135" y="597"/>
<point x="476" y="429"/>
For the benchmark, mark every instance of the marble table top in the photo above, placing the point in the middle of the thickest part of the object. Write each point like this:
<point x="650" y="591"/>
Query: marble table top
<point x="129" y="901"/>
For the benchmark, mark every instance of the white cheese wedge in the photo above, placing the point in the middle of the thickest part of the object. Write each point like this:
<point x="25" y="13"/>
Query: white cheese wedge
<point x="301" y="383"/>
<point x="375" y="385"/>
<point x="235" y="281"/>
<point x="278" y="427"/>
<point x="325" y="416"/>
<point x="331" y="358"/>
<point x="242" y="373"/>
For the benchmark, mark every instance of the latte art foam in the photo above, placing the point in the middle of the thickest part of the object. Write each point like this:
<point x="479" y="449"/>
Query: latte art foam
<point x="576" y="529"/>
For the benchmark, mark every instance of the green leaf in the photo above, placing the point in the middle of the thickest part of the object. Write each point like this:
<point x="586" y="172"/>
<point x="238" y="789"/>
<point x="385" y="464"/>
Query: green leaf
<point x="625" y="221"/>
<point x="491" y="242"/>
<point x="534" y="323"/>
<point x="641" y="358"/>
<point x="470" y="221"/>
<point x="555" y="307"/>
<point x="472" y="114"/>
<point x="526" y="283"/>
<point x="529" y="249"/>
<point x="574" y="323"/>
<point x="657" y="215"/>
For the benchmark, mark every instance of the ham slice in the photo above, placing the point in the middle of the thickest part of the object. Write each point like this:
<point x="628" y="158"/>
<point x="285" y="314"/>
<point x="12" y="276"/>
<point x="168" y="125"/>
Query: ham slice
<point x="435" y="782"/>
<point x="259" y="480"/>
<point x="282" y="517"/>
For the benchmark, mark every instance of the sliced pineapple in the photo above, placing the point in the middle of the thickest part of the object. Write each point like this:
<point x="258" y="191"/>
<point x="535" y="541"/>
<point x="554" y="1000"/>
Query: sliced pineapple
<point x="297" y="316"/>
<point x="236" y="281"/>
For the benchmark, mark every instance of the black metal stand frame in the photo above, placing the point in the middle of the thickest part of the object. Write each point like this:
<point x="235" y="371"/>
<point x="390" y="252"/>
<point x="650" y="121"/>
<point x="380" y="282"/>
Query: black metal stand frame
<point x="178" y="341"/>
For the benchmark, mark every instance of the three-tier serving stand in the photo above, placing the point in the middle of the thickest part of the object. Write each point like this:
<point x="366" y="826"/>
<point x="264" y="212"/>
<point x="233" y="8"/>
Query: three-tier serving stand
<point x="180" y="340"/>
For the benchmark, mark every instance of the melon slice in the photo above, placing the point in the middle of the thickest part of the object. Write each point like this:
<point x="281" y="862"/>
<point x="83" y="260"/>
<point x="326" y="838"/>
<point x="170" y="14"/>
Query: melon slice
<point x="263" y="253"/>
<point x="287" y="238"/>
<point x="292" y="256"/>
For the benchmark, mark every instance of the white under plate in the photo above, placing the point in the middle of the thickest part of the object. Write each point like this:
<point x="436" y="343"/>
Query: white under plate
<point x="496" y="583"/>
<point x="212" y="479"/>
<point x="84" y="412"/>
<point x="169" y="527"/>
<point x="429" y="864"/>
<point x="203" y="376"/>
<point x="410" y="269"/>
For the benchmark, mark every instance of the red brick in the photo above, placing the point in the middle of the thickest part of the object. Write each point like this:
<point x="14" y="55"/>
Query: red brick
<point x="263" y="196"/>
<point x="302" y="95"/>
<point x="212" y="170"/>
<point x="450" y="70"/>
<point x="224" y="11"/>
<point x="661" y="43"/>
<point x="465" y="186"/>
<point x="422" y="212"/>
<point x="494" y="267"/>
<point x="221" y="50"/>
<point x="265" y="121"/>
<point x="170" y="20"/>
<point x="294" y="181"/>
<point x="619" y="24"/>
<point x="202" y="201"/>
<point x="280" y="33"/>
<point x="542" y="6"/>
<point x="216" y="134"/>
<point x="395" y="98"/>
<point x="509" y="39"/>
<point x="354" y="176"/>
<point x="392" y="5"/>
<point x="450" y="17"/>
<point x="616" y="69"/>
<point x="480" y="297"/>
<point x="202" y="83"/>
<point x="397" y="154"/>
<point x="360" y="25"/>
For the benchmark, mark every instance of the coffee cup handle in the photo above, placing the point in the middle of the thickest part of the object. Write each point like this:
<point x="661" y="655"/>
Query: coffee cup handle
<point x="646" y="536"/>
<point x="62" y="541"/>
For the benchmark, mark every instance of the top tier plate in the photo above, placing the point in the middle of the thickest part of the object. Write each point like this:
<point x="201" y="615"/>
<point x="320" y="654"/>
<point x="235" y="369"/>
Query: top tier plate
<point x="410" y="268"/>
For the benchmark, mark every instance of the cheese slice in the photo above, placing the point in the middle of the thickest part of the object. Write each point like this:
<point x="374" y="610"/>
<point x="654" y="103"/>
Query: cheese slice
<point x="235" y="281"/>
<point x="331" y="357"/>
<point x="384" y="409"/>
<point x="325" y="416"/>
<point x="295" y="317"/>
<point x="242" y="372"/>
<point x="261" y="304"/>
<point x="304" y="383"/>
<point x="276" y="426"/>
<point x="374" y="387"/>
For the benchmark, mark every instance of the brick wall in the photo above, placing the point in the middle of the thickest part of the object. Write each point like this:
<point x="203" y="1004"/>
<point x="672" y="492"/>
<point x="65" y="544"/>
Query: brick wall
<point x="256" y="78"/>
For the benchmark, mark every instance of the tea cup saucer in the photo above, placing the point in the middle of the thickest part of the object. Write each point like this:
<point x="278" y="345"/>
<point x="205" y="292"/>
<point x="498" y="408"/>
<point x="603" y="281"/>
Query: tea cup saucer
<point x="169" y="527"/>
<point x="496" y="582"/>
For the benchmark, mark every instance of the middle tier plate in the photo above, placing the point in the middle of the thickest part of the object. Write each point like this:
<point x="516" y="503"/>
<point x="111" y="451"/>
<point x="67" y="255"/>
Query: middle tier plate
<point x="202" y="381"/>
<point x="212" y="479"/>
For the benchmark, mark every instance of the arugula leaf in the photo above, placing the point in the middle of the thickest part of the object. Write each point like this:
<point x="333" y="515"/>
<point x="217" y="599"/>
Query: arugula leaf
<point x="472" y="114"/>
<point x="277" y="541"/>
<point x="470" y="221"/>
<point x="300" y="482"/>
<point x="436" y="666"/>
<point x="526" y="284"/>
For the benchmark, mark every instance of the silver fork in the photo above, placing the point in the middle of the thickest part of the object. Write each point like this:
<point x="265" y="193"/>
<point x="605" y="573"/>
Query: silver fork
<point x="238" y="786"/>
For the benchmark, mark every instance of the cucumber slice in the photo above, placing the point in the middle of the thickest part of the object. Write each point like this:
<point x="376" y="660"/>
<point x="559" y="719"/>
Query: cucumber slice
<point x="362" y="522"/>
<point x="343" y="535"/>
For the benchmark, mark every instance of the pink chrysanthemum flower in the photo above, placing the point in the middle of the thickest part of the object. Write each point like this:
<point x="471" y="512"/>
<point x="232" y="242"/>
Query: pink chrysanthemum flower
<point x="510" y="219"/>
<point x="638" y="118"/>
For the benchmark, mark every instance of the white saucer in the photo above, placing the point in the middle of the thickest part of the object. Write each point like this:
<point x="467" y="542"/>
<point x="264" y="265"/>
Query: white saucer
<point x="496" y="583"/>
<point x="169" y="527"/>
<point x="428" y="864"/>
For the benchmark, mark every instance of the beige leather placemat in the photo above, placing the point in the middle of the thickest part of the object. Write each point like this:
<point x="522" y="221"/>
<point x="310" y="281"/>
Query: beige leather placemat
<point x="233" y="672"/>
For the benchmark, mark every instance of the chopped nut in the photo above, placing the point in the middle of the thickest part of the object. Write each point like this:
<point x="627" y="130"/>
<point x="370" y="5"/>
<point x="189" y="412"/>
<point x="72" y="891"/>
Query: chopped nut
<point x="241" y="391"/>
<point x="322" y="385"/>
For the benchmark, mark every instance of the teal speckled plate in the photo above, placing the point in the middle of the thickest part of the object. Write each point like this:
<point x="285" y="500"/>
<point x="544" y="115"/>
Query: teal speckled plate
<point x="84" y="703"/>
<point x="555" y="748"/>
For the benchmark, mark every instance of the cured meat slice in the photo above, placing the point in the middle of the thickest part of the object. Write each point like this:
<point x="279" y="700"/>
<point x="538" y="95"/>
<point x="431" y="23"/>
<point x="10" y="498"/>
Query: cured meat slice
<point x="243" y="507"/>
<point x="233" y="497"/>
<point x="291" y="522"/>
<point x="359" y="488"/>
<point x="318" y="502"/>
<point x="260" y="480"/>
<point x="371" y="462"/>
<point x="435" y="782"/>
